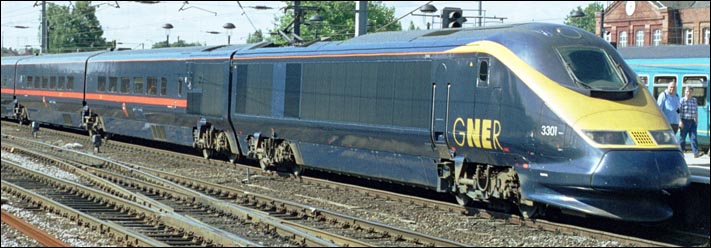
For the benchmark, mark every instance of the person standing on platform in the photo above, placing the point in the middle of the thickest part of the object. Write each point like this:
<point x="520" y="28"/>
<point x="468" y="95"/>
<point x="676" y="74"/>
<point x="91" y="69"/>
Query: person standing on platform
<point x="668" y="102"/>
<point x="688" y="122"/>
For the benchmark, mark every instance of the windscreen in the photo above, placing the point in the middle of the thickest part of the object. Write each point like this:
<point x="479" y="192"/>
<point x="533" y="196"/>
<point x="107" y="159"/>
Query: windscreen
<point x="592" y="68"/>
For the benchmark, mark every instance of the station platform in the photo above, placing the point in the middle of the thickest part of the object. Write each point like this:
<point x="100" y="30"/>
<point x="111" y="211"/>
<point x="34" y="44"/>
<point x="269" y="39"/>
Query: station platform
<point x="698" y="167"/>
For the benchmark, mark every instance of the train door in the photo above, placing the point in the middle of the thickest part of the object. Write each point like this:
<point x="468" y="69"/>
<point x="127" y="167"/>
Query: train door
<point x="441" y="86"/>
<point x="487" y="95"/>
<point x="699" y="84"/>
<point x="194" y="92"/>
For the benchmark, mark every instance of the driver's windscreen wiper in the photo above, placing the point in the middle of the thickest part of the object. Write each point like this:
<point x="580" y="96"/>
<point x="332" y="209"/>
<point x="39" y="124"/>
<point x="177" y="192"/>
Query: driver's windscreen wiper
<point x="622" y="73"/>
<point x="575" y="79"/>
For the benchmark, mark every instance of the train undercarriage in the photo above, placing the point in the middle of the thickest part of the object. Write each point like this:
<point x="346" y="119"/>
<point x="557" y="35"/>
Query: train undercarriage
<point x="270" y="152"/>
<point x="496" y="186"/>
<point x="19" y="112"/>
<point x="212" y="141"/>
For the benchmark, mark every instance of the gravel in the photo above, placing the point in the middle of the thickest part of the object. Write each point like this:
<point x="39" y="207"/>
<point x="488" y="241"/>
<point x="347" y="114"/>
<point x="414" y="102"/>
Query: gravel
<point x="465" y="229"/>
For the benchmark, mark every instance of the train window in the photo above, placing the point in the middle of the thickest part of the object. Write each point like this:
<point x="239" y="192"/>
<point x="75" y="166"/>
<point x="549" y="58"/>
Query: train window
<point x="28" y="84"/>
<point x="137" y="85"/>
<point x="113" y="84"/>
<point x="661" y="83"/>
<point x="101" y="87"/>
<point x="483" y="80"/>
<point x="125" y="84"/>
<point x="693" y="80"/>
<point x="163" y="86"/>
<point x="60" y="83"/>
<point x="644" y="80"/>
<point x="254" y="81"/>
<point x="53" y="82"/>
<point x="180" y="86"/>
<point x="592" y="68"/>
<point x="45" y="82"/>
<point x="698" y="84"/>
<point x="292" y="94"/>
<point x="70" y="82"/>
<point x="151" y="86"/>
<point x="37" y="82"/>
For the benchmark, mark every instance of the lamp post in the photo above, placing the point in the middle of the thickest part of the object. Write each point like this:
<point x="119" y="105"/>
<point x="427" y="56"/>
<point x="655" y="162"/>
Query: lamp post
<point x="428" y="9"/>
<point x="578" y="13"/>
<point x="315" y="20"/>
<point x="3" y="33"/>
<point x="167" y="28"/>
<point x="602" y="23"/>
<point x="229" y="26"/>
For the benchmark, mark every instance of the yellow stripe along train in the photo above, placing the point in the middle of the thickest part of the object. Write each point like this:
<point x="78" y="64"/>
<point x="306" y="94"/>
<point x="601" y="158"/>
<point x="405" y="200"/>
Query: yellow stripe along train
<point x="527" y="115"/>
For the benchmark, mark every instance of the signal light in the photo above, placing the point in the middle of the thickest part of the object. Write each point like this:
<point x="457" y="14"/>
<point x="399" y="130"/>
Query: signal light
<point x="452" y="17"/>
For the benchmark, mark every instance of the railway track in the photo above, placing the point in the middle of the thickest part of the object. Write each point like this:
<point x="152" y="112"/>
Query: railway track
<point x="405" y="199"/>
<point x="127" y="222"/>
<point x="31" y="231"/>
<point x="305" y="219"/>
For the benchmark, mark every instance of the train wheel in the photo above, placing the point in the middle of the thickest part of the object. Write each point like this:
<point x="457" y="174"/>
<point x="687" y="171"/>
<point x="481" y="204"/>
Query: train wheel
<point x="297" y="170"/>
<point x="530" y="212"/>
<point x="463" y="199"/>
<point x="206" y="153"/>
<point x="264" y="163"/>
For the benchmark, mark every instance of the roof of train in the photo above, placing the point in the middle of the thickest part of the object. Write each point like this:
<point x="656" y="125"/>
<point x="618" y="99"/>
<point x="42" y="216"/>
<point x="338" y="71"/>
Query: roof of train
<point x="422" y="40"/>
<point x="536" y="35"/>
<point x="179" y="53"/>
<point x="11" y="60"/>
<point x="59" y="58"/>
<point x="660" y="52"/>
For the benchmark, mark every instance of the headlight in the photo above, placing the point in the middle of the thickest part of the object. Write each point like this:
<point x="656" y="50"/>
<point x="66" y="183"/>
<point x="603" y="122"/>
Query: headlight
<point x="610" y="137"/>
<point x="664" y="137"/>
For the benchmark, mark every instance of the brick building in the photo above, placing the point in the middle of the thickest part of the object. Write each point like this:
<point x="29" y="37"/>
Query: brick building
<point x="654" y="23"/>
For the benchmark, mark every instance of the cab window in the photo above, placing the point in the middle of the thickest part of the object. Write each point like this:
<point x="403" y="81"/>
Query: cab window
<point x="592" y="68"/>
<point x="483" y="79"/>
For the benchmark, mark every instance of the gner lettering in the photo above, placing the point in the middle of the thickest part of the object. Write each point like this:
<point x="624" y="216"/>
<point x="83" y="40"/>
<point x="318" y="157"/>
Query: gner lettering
<point x="479" y="133"/>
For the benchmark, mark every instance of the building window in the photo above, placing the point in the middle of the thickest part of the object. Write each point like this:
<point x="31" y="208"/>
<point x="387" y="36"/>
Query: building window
<point x="639" y="39"/>
<point x="688" y="36"/>
<point x="608" y="37"/>
<point x="657" y="37"/>
<point x="623" y="39"/>
<point x="706" y="36"/>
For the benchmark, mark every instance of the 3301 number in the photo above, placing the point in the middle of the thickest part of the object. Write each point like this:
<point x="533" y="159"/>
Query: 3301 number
<point x="549" y="130"/>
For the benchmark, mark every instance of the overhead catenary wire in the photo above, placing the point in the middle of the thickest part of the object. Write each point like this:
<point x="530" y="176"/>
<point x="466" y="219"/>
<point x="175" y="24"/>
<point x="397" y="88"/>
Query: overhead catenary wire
<point x="403" y="16"/>
<point x="244" y="13"/>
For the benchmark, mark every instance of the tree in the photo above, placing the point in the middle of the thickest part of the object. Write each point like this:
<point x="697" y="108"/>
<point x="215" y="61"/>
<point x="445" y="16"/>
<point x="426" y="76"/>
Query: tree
<point x="338" y="19"/>
<point x="74" y="29"/>
<point x="179" y="43"/>
<point x="256" y="37"/>
<point x="412" y="26"/>
<point x="586" y="22"/>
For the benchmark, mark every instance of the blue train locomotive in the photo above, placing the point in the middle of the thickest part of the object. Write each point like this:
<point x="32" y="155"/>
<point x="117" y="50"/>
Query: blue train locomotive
<point x="534" y="115"/>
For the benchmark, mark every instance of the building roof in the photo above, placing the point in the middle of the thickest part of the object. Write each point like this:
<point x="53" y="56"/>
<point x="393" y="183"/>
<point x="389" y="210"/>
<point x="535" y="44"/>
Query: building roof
<point x="681" y="4"/>
<point x="671" y="51"/>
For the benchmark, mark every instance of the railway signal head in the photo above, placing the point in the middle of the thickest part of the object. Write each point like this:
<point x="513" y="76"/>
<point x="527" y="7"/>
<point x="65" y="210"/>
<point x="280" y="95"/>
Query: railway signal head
<point x="452" y="17"/>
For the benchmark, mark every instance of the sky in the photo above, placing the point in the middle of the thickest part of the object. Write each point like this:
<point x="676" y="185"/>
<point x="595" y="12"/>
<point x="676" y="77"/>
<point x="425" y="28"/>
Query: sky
<point x="136" y="25"/>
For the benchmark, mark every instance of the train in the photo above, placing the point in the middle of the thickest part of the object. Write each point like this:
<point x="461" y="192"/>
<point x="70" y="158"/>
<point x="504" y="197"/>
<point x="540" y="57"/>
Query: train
<point x="687" y="65"/>
<point x="522" y="116"/>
